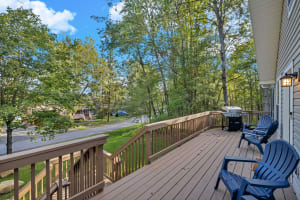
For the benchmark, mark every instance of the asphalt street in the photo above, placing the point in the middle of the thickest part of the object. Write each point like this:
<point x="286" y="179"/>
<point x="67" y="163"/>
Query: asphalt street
<point x="21" y="141"/>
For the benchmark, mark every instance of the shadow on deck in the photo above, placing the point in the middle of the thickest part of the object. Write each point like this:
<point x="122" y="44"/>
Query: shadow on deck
<point x="189" y="172"/>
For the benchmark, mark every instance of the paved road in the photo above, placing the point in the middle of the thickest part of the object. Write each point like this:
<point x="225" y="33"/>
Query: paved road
<point x="21" y="141"/>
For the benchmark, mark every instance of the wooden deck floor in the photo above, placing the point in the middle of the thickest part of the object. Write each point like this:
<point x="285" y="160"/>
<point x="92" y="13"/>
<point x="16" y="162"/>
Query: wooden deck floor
<point x="189" y="172"/>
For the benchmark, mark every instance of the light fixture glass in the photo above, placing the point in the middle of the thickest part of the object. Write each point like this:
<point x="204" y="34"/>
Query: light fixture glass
<point x="286" y="81"/>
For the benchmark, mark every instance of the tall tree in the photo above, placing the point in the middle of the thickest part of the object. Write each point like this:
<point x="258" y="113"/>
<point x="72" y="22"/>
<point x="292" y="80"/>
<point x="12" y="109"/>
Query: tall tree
<point x="31" y="90"/>
<point x="225" y="12"/>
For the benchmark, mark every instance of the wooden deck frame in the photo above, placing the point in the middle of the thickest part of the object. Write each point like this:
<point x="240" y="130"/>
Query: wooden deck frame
<point x="189" y="171"/>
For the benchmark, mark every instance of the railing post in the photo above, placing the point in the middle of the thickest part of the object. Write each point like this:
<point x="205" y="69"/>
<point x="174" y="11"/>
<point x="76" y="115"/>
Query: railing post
<point x="99" y="164"/>
<point x="148" y="147"/>
<point x="210" y="122"/>
<point x="16" y="183"/>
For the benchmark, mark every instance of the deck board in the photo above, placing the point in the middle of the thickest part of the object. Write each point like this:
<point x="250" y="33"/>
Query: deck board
<point x="189" y="171"/>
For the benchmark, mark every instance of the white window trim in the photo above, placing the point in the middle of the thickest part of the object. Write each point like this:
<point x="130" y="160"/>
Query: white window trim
<point x="290" y="7"/>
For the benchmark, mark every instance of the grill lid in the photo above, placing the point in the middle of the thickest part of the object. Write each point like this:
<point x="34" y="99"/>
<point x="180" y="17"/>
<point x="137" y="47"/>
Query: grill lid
<point x="232" y="109"/>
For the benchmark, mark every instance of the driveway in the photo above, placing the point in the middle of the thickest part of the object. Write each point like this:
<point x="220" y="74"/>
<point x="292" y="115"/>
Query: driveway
<point x="21" y="141"/>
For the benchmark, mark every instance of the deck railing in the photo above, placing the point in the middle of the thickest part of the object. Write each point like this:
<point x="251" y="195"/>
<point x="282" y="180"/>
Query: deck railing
<point x="75" y="169"/>
<point x="156" y="139"/>
<point x="85" y="179"/>
<point x="41" y="177"/>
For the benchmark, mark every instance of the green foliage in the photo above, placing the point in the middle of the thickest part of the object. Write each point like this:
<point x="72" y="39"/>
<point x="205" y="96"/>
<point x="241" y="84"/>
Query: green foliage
<point x="42" y="79"/>
<point x="49" y="122"/>
<point x="170" y="52"/>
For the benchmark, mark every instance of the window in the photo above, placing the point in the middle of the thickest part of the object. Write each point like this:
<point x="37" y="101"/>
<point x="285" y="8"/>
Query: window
<point x="291" y="4"/>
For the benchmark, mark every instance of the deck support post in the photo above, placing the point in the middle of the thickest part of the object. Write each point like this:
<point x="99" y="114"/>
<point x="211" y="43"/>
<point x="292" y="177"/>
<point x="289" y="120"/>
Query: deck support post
<point x="148" y="147"/>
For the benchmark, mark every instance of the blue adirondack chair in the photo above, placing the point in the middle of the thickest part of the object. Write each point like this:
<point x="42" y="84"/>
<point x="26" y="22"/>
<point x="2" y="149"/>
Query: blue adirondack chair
<point x="248" y="197"/>
<point x="261" y="138"/>
<point x="278" y="163"/>
<point x="264" y="123"/>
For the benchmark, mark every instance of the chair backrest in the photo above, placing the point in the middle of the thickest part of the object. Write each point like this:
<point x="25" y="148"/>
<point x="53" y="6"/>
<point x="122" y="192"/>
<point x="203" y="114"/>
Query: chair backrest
<point x="271" y="130"/>
<point x="265" y="121"/>
<point x="279" y="161"/>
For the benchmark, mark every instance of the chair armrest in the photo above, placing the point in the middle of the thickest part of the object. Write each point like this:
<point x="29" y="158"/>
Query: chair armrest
<point x="228" y="159"/>
<point x="260" y="183"/>
<point x="267" y="183"/>
<point x="261" y="131"/>
<point x="248" y="197"/>
<point x="247" y="126"/>
<point x="250" y="124"/>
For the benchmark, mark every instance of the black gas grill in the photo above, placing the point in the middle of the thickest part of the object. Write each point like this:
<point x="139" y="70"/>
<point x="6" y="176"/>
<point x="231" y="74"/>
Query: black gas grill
<point x="233" y="118"/>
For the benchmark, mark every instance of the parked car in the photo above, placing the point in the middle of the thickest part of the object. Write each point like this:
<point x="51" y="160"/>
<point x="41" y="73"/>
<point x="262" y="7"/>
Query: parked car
<point x="120" y="113"/>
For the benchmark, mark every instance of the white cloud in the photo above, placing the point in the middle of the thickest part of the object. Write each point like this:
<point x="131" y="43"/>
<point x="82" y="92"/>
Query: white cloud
<point x="57" y="21"/>
<point x="115" y="11"/>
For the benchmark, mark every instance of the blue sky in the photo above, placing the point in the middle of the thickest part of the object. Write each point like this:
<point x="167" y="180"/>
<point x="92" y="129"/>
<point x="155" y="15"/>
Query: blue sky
<point x="85" y="26"/>
<point x="69" y="17"/>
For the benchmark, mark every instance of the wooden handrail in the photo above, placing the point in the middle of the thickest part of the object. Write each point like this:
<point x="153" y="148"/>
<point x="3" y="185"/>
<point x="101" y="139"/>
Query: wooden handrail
<point x="23" y="158"/>
<point x="144" y="146"/>
<point x="156" y="139"/>
<point x="94" y="145"/>
<point x="169" y="122"/>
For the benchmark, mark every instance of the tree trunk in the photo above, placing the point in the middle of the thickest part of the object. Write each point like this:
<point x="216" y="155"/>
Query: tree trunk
<point x="9" y="138"/>
<point x="108" y="108"/>
<point x="220" y="24"/>
<point x="144" y="72"/>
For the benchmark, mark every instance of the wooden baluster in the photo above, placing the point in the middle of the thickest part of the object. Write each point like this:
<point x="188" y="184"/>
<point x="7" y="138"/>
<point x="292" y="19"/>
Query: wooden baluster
<point x="91" y="167"/>
<point x="136" y="154"/>
<point x="152" y="141"/>
<point x="160" y="139"/>
<point x="123" y="163"/>
<point x="99" y="164"/>
<point x="114" y="169"/>
<point x="55" y="172"/>
<point x="48" y="182"/>
<point x="119" y="165"/>
<point x="172" y="134"/>
<point x="36" y="190"/>
<point x="157" y="140"/>
<point x="139" y="154"/>
<point x="148" y="147"/>
<point x="33" y="181"/>
<point x="71" y="178"/>
<point x="66" y="193"/>
<point x="42" y="186"/>
<point x="16" y="183"/>
<point x="81" y="168"/>
<point x="66" y="170"/>
<point x="132" y="157"/>
<point x="60" y="177"/>
<point x="143" y="148"/>
<point x="87" y="171"/>
<point x="127" y="158"/>
<point x="164" y="137"/>
<point x="167" y="135"/>
<point x="50" y="174"/>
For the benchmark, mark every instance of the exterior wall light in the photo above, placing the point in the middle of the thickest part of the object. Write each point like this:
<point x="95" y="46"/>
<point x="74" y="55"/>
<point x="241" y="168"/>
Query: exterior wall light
<point x="286" y="80"/>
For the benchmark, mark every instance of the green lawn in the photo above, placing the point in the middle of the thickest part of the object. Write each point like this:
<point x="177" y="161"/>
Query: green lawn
<point x="24" y="175"/>
<point x="116" y="139"/>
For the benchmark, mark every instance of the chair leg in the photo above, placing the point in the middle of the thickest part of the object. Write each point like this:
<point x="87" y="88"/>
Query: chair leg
<point x="242" y="137"/>
<point x="260" y="148"/>
<point x="217" y="183"/>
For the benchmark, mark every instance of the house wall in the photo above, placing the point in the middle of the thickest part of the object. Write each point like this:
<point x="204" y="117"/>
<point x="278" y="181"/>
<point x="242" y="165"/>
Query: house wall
<point x="289" y="56"/>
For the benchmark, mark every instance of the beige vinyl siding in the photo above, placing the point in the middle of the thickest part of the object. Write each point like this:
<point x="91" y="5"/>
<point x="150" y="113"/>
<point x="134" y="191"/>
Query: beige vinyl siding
<point x="289" y="37"/>
<point x="289" y="51"/>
